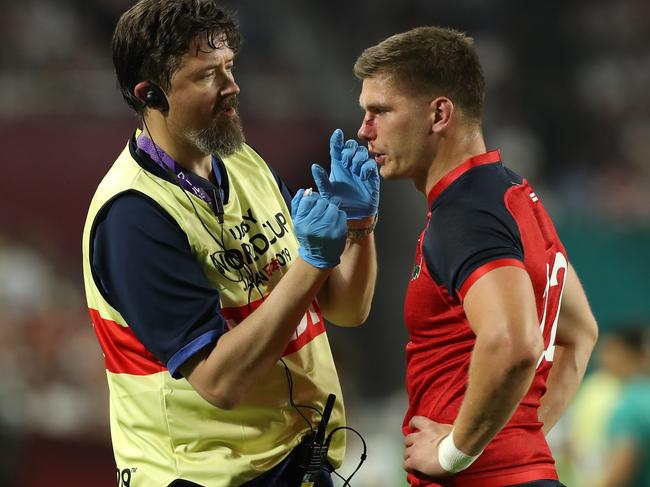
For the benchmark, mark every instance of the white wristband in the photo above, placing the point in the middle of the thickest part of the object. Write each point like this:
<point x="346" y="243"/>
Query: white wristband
<point x="451" y="459"/>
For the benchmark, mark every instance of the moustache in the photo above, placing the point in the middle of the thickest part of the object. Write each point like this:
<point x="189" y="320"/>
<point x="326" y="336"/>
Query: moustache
<point x="228" y="103"/>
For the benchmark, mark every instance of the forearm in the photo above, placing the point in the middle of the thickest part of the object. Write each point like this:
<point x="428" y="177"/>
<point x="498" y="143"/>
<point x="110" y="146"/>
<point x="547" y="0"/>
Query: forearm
<point x="623" y="463"/>
<point x="499" y="377"/>
<point x="577" y="333"/>
<point x="346" y="297"/>
<point x="569" y="365"/>
<point x="245" y="354"/>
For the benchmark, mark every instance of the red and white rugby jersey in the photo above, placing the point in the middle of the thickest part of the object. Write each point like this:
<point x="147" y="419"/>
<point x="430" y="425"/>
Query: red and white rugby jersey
<point x="481" y="216"/>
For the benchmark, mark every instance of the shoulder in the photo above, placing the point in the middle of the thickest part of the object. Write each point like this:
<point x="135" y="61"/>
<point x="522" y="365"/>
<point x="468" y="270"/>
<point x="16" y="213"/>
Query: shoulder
<point x="479" y="186"/>
<point x="132" y="226"/>
<point x="470" y="225"/>
<point x="630" y="417"/>
<point x="473" y="206"/>
<point x="134" y="210"/>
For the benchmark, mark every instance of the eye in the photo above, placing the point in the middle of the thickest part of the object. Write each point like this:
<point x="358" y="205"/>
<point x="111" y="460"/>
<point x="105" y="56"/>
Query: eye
<point x="377" y="111"/>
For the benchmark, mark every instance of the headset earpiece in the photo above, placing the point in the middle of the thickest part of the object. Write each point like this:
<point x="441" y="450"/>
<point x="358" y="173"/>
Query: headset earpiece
<point x="155" y="98"/>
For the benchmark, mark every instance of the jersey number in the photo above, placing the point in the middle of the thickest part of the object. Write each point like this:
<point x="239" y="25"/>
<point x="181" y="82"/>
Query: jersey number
<point x="552" y="301"/>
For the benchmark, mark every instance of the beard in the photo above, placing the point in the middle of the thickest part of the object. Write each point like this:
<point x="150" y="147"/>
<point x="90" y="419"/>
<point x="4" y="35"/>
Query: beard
<point x="225" y="135"/>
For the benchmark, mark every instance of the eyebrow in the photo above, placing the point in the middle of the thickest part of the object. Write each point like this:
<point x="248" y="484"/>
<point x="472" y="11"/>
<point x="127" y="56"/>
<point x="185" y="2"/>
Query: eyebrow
<point x="374" y="107"/>
<point x="214" y="66"/>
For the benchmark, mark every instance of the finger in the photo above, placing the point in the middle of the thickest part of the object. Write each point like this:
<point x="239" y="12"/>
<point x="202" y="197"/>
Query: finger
<point x="336" y="144"/>
<point x="319" y="208"/>
<point x="349" y="149"/>
<point x="307" y="204"/>
<point x="359" y="158"/>
<point x="409" y="440"/>
<point x="369" y="170"/>
<point x="351" y="144"/>
<point x="322" y="180"/>
<point x="419" y="422"/>
<point x="295" y="201"/>
<point x="330" y="215"/>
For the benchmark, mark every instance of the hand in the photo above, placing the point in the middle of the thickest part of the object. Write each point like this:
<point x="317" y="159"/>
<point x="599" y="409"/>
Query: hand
<point x="421" y="447"/>
<point x="353" y="183"/>
<point x="320" y="227"/>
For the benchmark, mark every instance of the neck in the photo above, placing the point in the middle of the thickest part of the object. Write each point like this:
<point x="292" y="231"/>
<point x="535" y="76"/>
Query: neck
<point x="453" y="150"/>
<point x="177" y="147"/>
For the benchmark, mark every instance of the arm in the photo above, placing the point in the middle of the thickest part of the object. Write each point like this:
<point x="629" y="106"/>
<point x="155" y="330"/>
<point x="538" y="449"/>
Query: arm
<point x="622" y="463"/>
<point x="501" y="310"/>
<point x="346" y="296"/>
<point x="243" y="356"/>
<point x="576" y="336"/>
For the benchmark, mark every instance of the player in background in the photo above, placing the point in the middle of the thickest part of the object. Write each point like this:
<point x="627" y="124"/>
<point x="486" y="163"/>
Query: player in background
<point x="206" y="282"/>
<point x="626" y="351"/>
<point x="500" y="328"/>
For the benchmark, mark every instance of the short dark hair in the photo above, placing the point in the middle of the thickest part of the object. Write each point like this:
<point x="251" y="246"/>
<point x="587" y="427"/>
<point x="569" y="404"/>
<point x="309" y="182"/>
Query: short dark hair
<point x="433" y="61"/>
<point x="153" y="35"/>
<point x="633" y="335"/>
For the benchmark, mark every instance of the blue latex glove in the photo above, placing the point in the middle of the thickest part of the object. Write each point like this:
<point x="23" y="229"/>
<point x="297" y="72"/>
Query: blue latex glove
<point x="321" y="229"/>
<point x="353" y="183"/>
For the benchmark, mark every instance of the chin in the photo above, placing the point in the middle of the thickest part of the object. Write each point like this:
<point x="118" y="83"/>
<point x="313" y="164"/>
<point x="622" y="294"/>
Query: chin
<point x="386" y="173"/>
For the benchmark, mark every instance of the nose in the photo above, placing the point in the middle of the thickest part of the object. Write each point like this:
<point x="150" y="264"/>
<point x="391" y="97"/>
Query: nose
<point x="366" y="131"/>
<point x="230" y="87"/>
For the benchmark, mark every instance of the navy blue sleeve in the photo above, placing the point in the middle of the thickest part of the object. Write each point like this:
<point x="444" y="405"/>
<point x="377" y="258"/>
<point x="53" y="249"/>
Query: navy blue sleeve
<point x="144" y="265"/>
<point x="469" y="227"/>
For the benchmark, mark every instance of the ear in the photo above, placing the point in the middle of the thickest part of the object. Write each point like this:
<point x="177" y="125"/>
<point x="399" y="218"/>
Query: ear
<point x="140" y="90"/>
<point x="442" y="114"/>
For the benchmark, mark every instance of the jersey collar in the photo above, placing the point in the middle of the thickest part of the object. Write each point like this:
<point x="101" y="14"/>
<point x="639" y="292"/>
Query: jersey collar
<point x="479" y="160"/>
<point x="160" y="163"/>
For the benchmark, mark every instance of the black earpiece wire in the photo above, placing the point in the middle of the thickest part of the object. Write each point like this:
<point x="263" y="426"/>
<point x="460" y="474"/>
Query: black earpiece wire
<point x="346" y="482"/>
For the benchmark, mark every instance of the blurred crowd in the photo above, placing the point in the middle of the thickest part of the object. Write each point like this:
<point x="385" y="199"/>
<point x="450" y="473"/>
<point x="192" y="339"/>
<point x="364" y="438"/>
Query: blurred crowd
<point x="568" y="105"/>
<point x="568" y="102"/>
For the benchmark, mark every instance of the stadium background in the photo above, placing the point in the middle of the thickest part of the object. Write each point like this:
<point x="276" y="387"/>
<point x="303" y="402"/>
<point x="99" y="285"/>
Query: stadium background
<point x="568" y="105"/>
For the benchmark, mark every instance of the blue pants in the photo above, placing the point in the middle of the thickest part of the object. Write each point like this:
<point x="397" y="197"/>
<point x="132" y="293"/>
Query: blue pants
<point x="285" y="474"/>
<point x="289" y="474"/>
<point x="541" y="483"/>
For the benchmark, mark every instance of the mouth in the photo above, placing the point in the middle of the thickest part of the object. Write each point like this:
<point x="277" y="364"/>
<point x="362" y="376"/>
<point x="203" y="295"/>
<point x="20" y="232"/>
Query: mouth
<point x="379" y="157"/>
<point x="229" y="107"/>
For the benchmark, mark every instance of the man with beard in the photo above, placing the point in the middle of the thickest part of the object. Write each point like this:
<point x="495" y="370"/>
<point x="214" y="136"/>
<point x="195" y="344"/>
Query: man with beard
<point x="207" y="294"/>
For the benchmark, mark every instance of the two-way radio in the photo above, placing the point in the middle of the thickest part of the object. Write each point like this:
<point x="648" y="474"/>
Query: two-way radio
<point x="313" y="464"/>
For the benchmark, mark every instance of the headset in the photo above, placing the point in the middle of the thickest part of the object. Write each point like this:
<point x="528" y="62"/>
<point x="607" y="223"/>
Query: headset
<point x="314" y="457"/>
<point x="155" y="98"/>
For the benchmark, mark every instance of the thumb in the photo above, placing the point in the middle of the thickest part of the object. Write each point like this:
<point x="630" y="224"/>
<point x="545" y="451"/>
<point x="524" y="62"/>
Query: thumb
<point x="295" y="202"/>
<point x="322" y="180"/>
<point x="419" y="422"/>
